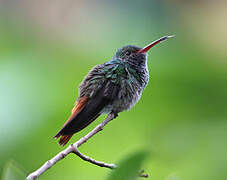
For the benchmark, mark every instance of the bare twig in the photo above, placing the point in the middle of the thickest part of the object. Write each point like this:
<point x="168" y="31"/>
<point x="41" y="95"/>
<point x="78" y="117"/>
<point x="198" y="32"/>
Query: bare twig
<point x="93" y="161"/>
<point x="73" y="148"/>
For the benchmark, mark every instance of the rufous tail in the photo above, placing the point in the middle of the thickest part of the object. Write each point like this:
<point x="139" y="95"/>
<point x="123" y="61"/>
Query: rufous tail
<point x="64" y="139"/>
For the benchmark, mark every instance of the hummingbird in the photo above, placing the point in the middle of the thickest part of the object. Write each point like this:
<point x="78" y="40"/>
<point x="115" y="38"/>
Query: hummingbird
<point x="112" y="87"/>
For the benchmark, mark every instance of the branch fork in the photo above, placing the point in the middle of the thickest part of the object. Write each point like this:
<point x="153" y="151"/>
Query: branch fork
<point x="73" y="148"/>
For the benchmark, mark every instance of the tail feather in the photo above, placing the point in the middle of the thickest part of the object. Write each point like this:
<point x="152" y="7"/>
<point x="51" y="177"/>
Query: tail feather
<point x="64" y="139"/>
<point x="86" y="111"/>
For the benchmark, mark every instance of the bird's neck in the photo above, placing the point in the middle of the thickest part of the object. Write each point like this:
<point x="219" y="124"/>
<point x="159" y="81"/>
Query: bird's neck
<point x="125" y="68"/>
<point x="138" y="65"/>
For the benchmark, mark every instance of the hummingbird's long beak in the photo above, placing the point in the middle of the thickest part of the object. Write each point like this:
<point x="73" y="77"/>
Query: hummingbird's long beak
<point x="146" y="48"/>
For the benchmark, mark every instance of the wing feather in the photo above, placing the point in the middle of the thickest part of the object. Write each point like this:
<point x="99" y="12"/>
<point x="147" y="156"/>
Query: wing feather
<point x="96" y="92"/>
<point x="79" y="105"/>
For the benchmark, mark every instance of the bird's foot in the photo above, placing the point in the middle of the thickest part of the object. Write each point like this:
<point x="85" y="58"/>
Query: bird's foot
<point x="115" y="115"/>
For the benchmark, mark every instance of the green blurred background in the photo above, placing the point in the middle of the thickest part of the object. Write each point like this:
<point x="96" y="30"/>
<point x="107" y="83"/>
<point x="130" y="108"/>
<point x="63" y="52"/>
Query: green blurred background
<point x="47" y="47"/>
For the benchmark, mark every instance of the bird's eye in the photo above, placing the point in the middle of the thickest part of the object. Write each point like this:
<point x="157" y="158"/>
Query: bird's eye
<point x="127" y="53"/>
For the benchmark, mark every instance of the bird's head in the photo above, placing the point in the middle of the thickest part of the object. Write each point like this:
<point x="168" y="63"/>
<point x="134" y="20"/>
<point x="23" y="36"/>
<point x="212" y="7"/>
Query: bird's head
<point x="136" y="54"/>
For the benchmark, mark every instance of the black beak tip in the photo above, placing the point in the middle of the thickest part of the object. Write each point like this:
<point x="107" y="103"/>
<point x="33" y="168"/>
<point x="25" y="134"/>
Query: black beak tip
<point x="167" y="37"/>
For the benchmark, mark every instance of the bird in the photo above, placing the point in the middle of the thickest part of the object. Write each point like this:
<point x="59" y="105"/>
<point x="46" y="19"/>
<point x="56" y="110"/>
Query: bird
<point x="111" y="87"/>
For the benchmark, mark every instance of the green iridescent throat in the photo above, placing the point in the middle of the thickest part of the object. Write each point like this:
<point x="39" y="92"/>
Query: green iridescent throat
<point x="116" y="70"/>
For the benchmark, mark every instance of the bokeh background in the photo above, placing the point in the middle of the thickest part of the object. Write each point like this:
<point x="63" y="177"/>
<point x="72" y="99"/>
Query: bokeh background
<point x="47" y="47"/>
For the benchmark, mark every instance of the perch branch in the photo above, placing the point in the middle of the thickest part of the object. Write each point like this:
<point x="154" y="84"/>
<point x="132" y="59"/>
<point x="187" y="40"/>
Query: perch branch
<point x="73" y="148"/>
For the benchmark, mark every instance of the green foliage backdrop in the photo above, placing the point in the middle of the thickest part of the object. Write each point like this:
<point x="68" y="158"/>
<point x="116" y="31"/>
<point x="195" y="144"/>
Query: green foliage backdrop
<point x="47" y="48"/>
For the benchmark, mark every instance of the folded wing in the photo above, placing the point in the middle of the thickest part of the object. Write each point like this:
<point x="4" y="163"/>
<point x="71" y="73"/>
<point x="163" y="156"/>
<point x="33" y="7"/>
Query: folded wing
<point x="88" y="106"/>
